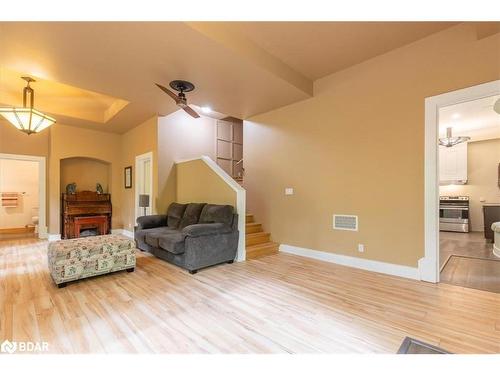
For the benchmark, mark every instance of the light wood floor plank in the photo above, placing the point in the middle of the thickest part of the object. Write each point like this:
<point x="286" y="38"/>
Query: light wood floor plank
<point x="276" y="304"/>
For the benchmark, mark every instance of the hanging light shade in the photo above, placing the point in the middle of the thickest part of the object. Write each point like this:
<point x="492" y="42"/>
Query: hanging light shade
<point x="27" y="119"/>
<point x="451" y="141"/>
<point x="496" y="106"/>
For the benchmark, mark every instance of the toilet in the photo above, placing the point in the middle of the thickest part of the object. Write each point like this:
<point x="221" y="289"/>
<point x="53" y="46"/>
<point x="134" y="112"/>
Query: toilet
<point x="34" y="218"/>
<point x="495" y="227"/>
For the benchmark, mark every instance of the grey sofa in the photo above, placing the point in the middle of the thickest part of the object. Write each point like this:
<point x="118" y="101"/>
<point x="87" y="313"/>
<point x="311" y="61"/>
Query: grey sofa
<point x="192" y="236"/>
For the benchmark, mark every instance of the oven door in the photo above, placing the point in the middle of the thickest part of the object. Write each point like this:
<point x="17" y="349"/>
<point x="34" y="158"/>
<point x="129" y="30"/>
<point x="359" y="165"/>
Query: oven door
<point x="456" y="214"/>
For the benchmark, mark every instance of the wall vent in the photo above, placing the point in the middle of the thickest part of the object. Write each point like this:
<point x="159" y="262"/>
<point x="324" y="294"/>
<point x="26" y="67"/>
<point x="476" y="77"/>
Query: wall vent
<point x="345" y="222"/>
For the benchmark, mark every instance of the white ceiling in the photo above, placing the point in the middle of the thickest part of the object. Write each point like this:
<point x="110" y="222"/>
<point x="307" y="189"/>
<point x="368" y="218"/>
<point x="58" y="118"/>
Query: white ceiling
<point x="475" y="119"/>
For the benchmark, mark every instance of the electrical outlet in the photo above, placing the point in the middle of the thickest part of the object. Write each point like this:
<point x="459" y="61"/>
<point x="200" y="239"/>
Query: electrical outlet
<point x="289" y="191"/>
<point x="361" y="248"/>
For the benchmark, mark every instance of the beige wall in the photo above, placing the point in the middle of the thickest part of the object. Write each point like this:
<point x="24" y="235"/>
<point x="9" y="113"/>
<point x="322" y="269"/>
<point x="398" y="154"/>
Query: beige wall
<point x="180" y="137"/>
<point x="482" y="174"/>
<point x="140" y="140"/>
<point x="68" y="142"/>
<point x="197" y="182"/>
<point x="357" y="147"/>
<point x="19" y="176"/>
<point x="85" y="172"/>
<point x="12" y="141"/>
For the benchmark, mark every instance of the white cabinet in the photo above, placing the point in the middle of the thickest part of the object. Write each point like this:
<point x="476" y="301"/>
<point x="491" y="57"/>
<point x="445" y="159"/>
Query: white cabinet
<point x="453" y="164"/>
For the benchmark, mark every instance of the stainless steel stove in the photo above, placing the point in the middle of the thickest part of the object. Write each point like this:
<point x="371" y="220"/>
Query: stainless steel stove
<point x="454" y="214"/>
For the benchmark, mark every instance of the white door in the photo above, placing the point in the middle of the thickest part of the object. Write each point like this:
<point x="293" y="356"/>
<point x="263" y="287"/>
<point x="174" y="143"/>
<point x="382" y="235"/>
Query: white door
<point x="143" y="183"/>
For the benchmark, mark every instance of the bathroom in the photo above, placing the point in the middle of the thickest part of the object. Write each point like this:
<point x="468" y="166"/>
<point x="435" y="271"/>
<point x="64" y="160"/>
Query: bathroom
<point x="19" y="196"/>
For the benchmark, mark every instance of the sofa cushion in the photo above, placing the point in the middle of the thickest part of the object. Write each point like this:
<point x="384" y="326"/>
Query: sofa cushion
<point x="172" y="242"/>
<point x="151" y="221"/>
<point x="191" y="214"/>
<point x="174" y="214"/>
<point x="151" y="238"/>
<point x="207" y="229"/>
<point x="140" y="234"/>
<point x="216" y="213"/>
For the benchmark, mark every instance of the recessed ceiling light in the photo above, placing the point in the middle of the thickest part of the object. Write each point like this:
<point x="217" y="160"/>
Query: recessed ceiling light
<point x="455" y="116"/>
<point x="206" y="109"/>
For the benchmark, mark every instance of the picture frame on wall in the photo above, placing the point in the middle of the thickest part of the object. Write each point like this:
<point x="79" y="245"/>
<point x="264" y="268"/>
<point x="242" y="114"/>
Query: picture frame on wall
<point x="128" y="177"/>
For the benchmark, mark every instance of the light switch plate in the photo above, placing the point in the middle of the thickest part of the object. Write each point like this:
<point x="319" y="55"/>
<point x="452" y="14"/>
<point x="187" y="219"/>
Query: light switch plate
<point x="289" y="191"/>
<point x="361" y="248"/>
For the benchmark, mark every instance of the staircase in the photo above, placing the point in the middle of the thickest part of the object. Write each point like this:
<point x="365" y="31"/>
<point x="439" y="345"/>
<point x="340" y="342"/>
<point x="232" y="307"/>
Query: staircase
<point x="258" y="243"/>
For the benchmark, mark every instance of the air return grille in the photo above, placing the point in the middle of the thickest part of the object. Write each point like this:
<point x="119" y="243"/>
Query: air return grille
<point x="345" y="222"/>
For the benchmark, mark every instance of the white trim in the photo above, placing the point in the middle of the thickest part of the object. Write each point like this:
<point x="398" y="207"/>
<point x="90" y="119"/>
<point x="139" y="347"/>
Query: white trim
<point x="429" y="265"/>
<point x="123" y="232"/>
<point x="53" y="237"/>
<point x="138" y="160"/>
<point x="345" y="260"/>
<point x="240" y="200"/>
<point x="42" y="187"/>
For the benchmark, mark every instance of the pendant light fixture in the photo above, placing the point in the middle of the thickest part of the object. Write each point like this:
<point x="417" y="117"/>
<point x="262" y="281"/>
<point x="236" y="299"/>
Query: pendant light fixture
<point x="27" y="119"/>
<point x="451" y="141"/>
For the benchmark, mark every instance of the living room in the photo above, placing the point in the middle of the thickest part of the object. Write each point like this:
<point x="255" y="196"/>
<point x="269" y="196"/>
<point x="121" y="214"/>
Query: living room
<point x="234" y="187"/>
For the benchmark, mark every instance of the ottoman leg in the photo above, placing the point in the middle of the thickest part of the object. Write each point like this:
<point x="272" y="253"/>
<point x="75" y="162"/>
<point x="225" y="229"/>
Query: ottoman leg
<point x="192" y="272"/>
<point x="62" y="285"/>
<point x="130" y="269"/>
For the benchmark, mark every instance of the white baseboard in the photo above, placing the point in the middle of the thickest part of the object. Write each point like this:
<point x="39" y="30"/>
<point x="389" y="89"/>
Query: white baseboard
<point x="345" y="260"/>
<point x="123" y="232"/>
<point x="54" y="237"/>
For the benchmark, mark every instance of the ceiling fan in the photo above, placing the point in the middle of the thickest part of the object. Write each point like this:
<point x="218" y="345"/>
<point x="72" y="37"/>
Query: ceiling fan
<point x="180" y="98"/>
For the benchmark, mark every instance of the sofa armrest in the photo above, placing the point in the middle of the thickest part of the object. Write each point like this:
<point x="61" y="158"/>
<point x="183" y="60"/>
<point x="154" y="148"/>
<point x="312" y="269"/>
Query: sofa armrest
<point x="152" y="221"/>
<point x="196" y="230"/>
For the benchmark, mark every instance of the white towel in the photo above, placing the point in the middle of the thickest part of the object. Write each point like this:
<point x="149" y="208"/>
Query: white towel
<point x="10" y="199"/>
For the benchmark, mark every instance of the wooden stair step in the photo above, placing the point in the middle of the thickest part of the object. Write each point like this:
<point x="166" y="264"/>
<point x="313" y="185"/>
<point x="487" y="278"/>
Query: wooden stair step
<point x="261" y="250"/>
<point x="253" y="227"/>
<point x="257" y="238"/>
<point x="249" y="218"/>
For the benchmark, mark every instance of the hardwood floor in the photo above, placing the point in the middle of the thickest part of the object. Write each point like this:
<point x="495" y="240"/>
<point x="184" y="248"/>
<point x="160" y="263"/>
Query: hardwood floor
<point x="276" y="304"/>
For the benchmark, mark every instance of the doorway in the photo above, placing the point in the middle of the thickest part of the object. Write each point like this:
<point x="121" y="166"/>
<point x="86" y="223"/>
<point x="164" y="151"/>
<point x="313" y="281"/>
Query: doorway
<point x="23" y="196"/>
<point x="445" y="171"/>
<point x="144" y="184"/>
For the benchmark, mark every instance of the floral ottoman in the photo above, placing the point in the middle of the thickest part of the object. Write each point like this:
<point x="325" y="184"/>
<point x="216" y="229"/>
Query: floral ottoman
<point x="80" y="258"/>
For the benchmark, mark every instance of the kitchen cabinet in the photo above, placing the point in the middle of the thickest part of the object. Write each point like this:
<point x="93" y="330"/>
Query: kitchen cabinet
<point x="453" y="164"/>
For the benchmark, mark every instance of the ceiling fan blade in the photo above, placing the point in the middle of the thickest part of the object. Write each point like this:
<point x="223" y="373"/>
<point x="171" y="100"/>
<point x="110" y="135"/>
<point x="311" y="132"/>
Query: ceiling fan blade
<point x="168" y="92"/>
<point x="191" y="111"/>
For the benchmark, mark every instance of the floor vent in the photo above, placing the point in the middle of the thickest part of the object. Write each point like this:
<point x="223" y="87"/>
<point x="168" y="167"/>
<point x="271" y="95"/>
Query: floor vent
<point x="345" y="222"/>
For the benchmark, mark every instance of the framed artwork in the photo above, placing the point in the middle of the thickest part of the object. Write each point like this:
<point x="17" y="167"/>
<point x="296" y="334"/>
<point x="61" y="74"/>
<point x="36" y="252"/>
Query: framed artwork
<point x="128" y="177"/>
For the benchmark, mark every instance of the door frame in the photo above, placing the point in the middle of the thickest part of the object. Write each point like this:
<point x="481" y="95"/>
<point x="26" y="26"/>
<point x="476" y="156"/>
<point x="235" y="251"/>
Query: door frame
<point x="42" y="188"/>
<point x="139" y="162"/>
<point x="429" y="265"/>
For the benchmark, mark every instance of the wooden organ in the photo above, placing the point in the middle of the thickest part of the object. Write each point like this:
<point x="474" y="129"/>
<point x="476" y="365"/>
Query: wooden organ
<point x="85" y="211"/>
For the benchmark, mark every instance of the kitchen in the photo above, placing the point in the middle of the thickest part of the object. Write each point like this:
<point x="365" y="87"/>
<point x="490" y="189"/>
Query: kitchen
<point x="469" y="178"/>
